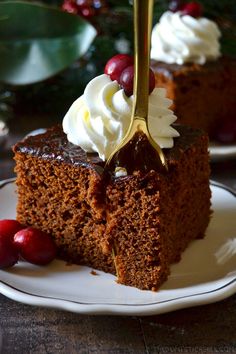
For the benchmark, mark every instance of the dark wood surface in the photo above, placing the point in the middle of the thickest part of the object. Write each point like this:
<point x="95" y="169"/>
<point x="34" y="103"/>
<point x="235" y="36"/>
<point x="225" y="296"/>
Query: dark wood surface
<point x="26" y="329"/>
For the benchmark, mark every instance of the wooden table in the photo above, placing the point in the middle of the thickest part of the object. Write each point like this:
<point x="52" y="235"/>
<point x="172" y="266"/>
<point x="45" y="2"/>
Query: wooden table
<point x="26" y="329"/>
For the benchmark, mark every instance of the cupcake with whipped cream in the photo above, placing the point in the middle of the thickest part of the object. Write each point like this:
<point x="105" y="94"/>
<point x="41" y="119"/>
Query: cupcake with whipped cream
<point x="187" y="62"/>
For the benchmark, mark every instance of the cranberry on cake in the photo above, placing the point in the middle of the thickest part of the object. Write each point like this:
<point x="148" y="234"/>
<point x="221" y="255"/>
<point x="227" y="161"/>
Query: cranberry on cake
<point x="187" y="61"/>
<point x="132" y="224"/>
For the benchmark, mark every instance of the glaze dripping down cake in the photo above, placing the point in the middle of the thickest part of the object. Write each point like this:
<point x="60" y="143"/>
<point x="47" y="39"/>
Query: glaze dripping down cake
<point x="134" y="226"/>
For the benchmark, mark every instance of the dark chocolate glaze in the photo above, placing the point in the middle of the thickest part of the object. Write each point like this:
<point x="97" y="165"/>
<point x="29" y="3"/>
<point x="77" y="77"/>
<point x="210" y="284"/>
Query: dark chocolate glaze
<point x="138" y="155"/>
<point x="53" y="145"/>
<point x="188" y="137"/>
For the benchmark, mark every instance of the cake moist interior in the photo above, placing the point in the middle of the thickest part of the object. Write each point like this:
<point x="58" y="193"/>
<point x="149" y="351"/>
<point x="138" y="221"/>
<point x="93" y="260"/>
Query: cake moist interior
<point x="134" y="226"/>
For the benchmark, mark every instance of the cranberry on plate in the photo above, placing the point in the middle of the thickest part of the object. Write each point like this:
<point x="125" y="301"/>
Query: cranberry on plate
<point x="9" y="255"/>
<point x="9" y="227"/>
<point x="35" y="246"/>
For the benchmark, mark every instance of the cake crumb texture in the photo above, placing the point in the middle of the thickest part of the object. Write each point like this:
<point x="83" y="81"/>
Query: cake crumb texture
<point x="153" y="218"/>
<point x="135" y="226"/>
<point x="65" y="202"/>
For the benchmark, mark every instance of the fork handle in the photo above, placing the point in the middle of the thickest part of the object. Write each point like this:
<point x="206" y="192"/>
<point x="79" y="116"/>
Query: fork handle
<point x="143" y="14"/>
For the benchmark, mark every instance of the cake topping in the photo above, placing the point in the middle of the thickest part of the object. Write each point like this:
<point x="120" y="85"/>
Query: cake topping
<point x="183" y="36"/>
<point x="117" y="64"/>
<point x="121" y="68"/>
<point x="127" y="80"/>
<point x="98" y="120"/>
<point x="193" y="9"/>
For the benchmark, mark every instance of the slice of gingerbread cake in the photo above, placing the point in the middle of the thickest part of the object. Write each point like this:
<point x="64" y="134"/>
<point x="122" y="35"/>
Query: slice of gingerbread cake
<point x="132" y="223"/>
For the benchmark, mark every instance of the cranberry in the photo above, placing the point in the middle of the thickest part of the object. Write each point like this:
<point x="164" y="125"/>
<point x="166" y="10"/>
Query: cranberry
<point x="176" y="5"/>
<point x="117" y="64"/>
<point x="35" y="246"/>
<point x="8" y="252"/>
<point x="193" y="9"/>
<point x="70" y="6"/>
<point x="127" y="80"/>
<point x="152" y="81"/>
<point x="226" y="132"/>
<point x="9" y="227"/>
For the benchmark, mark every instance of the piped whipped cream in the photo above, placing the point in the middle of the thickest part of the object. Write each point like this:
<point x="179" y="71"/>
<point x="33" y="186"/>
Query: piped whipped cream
<point x="179" y="39"/>
<point x="99" y="119"/>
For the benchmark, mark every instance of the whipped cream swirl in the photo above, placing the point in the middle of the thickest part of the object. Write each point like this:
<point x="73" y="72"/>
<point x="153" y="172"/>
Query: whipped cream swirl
<point x="179" y="39"/>
<point x="99" y="119"/>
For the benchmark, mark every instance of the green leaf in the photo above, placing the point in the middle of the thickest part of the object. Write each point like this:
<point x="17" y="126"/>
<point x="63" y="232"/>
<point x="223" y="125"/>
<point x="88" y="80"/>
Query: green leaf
<point x="37" y="41"/>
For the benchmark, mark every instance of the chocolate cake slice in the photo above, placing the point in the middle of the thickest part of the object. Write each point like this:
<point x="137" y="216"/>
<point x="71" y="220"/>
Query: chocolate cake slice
<point x="203" y="95"/>
<point x="133" y="226"/>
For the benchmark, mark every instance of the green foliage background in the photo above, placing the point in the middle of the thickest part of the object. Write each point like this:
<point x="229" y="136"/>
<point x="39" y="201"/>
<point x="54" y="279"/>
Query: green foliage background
<point x="56" y="94"/>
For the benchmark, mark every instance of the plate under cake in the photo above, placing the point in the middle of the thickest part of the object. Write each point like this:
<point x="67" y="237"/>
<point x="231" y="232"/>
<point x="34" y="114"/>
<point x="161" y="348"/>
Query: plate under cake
<point x="134" y="226"/>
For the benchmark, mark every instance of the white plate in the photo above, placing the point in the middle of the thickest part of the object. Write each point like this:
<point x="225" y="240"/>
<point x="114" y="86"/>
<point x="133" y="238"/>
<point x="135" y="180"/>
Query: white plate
<point x="222" y="152"/>
<point x="206" y="273"/>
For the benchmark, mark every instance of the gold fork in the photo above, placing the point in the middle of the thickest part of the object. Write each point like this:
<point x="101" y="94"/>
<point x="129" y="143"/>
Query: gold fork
<point x="130" y="150"/>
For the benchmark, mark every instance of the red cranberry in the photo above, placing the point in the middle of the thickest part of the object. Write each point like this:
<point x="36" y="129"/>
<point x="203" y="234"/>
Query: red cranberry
<point x="9" y="227"/>
<point x="176" y="5"/>
<point x="193" y="9"/>
<point x="226" y="132"/>
<point x="117" y="64"/>
<point x="127" y="80"/>
<point x="70" y="6"/>
<point x="8" y="252"/>
<point x="35" y="246"/>
<point x="152" y="81"/>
